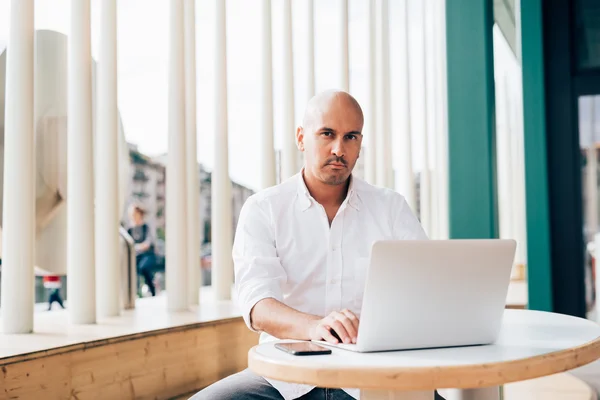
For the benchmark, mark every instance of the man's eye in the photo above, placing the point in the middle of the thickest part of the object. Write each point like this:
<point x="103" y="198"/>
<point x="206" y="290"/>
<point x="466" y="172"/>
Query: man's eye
<point x="326" y="133"/>
<point x="351" y="137"/>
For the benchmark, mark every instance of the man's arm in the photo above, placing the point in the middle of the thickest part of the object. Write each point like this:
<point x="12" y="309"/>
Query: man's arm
<point x="281" y="321"/>
<point x="259" y="278"/>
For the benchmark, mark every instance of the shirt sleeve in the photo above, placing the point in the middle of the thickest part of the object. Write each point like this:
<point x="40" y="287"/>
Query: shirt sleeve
<point x="258" y="270"/>
<point x="406" y="223"/>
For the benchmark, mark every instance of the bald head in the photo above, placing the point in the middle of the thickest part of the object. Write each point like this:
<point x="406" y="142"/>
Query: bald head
<point x="330" y="102"/>
<point x="331" y="136"/>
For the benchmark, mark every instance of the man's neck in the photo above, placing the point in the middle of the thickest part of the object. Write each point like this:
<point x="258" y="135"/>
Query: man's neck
<point x="324" y="194"/>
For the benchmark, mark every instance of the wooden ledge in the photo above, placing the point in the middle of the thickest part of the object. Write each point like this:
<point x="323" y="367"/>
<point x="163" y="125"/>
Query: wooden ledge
<point x="153" y="365"/>
<point x="115" y="340"/>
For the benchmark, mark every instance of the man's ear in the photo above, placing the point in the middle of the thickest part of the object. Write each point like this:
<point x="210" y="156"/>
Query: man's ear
<point x="300" y="138"/>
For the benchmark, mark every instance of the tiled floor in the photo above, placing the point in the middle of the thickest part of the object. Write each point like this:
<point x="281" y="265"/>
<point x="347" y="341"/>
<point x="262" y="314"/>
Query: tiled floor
<point x="590" y="374"/>
<point x="555" y="387"/>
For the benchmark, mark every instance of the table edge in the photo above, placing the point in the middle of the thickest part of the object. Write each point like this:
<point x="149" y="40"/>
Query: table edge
<point x="426" y="378"/>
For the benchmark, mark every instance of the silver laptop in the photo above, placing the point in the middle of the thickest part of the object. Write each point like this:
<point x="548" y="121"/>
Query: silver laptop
<point x="433" y="293"/>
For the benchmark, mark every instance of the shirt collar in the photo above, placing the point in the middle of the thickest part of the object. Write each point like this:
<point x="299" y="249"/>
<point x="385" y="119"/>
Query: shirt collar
<point x="306" y="200"/>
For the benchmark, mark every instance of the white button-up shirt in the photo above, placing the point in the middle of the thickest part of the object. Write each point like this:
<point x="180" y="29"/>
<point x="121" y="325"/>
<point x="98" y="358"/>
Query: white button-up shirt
<point x="285" y="249"/>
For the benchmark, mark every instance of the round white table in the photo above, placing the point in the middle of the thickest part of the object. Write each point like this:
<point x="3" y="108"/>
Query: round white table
<point x="531" y="344"/>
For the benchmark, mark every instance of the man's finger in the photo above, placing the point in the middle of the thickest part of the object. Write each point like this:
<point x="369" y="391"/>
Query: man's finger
<point x="325" y="333"/>
<point x="348" y="326"/>
<point x="340" y="329"/>
<point x="352" y="317"/>
<point x="355" y="322"/>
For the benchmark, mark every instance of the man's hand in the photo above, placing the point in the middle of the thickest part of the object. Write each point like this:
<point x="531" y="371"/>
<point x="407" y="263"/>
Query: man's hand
<point x="343" y="323"/>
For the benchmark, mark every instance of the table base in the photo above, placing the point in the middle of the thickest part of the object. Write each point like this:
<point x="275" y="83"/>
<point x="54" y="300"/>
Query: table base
<point x="395" y="395"/>
<point x="491" y="393"/>
<point x="488" y="393"/>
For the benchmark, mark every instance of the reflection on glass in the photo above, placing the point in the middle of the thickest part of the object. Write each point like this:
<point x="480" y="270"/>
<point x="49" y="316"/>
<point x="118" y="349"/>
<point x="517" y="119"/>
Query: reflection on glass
<point x="587" y="33"/>
<point x="589" y="141"/>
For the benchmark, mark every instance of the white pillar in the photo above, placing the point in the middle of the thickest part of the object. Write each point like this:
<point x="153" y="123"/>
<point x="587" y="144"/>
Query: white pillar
<point x="520" y="180"/>
<point x="429" y="23"/>
<point x="267" y="153"/>
<point x="222" y="264"/>
<point x="405" y="181"/>
<point x="505" y="159"/>
<point x="441" y="126"/>
<point x="107" y="184"/>
<point x="591" y="181"/>
<point x="383" y="142"/>
<point x="176" y="201"/>
<point x="19" y="177"/>
<point x="597" y="280"/>
<point x="418" y="95"/>
<point x="289" y="151"/>
<point x="344" y="47"/>
<point x="192" y="173"/>
<point x="310" y="53"/>
<point x="371" y="118"/>
<point x="80" y="177"/>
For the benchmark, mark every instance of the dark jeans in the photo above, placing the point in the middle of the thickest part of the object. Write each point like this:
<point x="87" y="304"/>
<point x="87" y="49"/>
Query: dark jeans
<point x="145" y="266"/>
<point x="246" y="385"/>
<point x="55" y="297"/>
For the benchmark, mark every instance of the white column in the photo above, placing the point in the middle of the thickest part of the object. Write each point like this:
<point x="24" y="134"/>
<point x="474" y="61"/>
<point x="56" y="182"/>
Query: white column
<point x="405" y="182"/>
<point x="176" y="201"/>
<point x="520" y="180"/>
<point x="383" y="142"/>
<point x="597" y="280"/>
<point x="310" y="53"/>
<point x="418" y="94"/>
<point x="192" y="173"/>
<point x="431" y="111"/>
<point x="344" y="47"/>
<point x="505" y="158"/>
<point x="267" y="155"/>
<point x="80" y="176"/>
<point x="371" y="118"/>
<point x="19" y="177"/>
<point x="107" y="184"/>
<point x="592" y="175"/>
<point x="222" y="264"/>
<point x="289" y="151"/>
<point x="441" y="118"/>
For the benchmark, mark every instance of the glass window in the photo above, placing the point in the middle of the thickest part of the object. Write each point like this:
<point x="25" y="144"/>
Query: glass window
<point x="587" y="33"/>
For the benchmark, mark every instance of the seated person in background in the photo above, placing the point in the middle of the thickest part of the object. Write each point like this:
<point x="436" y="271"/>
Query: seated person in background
<point x="297" y="247"/>
<point x="144" y="246"/>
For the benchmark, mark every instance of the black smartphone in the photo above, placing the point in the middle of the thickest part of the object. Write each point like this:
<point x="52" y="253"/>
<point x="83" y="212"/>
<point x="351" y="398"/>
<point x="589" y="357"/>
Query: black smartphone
<point x="303" y="348"/>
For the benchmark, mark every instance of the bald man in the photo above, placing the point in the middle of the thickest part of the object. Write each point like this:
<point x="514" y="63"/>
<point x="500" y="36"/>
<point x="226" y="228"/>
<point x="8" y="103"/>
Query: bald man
<point x="298" y="247"/>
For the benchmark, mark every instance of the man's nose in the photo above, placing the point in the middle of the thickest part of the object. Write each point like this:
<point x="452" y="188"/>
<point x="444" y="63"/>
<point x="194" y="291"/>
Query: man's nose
<point x="338" y="148"/>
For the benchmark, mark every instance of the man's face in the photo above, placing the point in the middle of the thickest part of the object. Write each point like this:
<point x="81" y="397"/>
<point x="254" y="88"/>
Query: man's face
<point x="138" y="217"/>
<point x="331" y="140"/>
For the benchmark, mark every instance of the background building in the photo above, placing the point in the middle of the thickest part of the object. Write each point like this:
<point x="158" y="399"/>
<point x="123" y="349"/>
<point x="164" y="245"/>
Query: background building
<point x="147" y="187"/>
